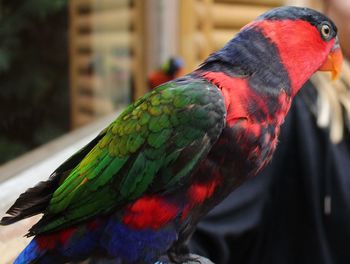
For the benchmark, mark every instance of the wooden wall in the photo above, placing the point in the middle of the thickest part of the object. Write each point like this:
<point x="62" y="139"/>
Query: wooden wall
<point x="107" y="58"/>
<point x="206" y="25"/>
<point x="108" y="40"/>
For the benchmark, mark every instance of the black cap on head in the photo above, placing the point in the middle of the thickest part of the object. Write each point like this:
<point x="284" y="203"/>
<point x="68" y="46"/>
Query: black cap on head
<point x="298" y="13"/>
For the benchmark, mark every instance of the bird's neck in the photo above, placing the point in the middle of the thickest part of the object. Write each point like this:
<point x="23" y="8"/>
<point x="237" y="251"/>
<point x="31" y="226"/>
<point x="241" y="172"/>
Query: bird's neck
<point x="252" y="56"/>
<point x="252" y="77"/>
<point x="242" y="101"/>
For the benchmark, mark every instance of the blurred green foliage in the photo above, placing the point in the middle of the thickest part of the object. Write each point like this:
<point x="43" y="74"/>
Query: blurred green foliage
<point x="34" y="102"/>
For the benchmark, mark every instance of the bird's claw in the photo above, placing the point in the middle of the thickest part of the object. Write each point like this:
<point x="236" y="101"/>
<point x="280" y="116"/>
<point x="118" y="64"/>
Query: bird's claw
<point x="184" y="259"/>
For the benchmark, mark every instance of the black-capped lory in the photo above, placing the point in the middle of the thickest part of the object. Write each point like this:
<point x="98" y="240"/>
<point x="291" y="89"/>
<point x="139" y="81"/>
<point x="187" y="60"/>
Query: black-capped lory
<point x="169" y="70"/>
<point x="139" y="188"/>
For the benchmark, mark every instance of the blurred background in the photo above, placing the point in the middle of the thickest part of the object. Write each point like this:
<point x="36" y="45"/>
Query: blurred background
<point x="64" y="64"/>
<point x="68" y="66"/>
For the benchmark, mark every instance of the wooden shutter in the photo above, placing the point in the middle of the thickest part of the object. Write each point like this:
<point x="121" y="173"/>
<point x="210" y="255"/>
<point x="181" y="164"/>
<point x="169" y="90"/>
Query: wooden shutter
<point x="106" y="56"/>
<point x="206" y="25"/>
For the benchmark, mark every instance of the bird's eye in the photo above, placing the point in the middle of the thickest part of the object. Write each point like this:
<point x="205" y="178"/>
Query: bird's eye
<point x="326" y="31"/>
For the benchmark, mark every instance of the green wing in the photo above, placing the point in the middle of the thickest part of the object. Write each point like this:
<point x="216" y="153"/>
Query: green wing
<point x="153" y="146"/>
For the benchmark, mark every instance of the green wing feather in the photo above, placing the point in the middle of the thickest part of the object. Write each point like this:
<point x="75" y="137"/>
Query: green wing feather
<point x="157" y="141"/>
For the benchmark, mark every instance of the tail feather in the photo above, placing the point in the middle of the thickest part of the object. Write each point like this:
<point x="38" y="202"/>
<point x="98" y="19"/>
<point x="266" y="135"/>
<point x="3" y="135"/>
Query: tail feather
<point x="33" y="201"/>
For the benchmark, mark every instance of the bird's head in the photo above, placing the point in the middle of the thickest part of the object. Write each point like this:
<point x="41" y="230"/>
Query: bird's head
<point x="306" y="41"/>
<point x="293" y="41"/>
<point x="172" y="66"/>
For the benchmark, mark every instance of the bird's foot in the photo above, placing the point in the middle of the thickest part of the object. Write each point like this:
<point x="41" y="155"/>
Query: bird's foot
<point x="183" y="259"/>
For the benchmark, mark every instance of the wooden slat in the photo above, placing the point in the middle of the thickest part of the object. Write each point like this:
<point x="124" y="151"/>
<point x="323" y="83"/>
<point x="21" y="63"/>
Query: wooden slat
<point x="80" y="3"/>
<point x="225" y="15"/>
<point x="110" y="4"/>
<point x="84" y="62"/>
<point x="138" y="50"/>
<point x="105" y="20"/>
<point x="103" y="29"/>
<point x="207" y="29"/>
<point x="221" y="37"/>
<point x="95" y="105"/>
<point x="104" y="40"/>
<point x="199" y="10"/>
<point x="317" y="4"/>
<point x="271" y="3"/>
<point x="90" y="83"/>
<point x="94" y="86"/>
<point x="97" y="5"/>
<point x="200" y="45"/>
<point x="187" y="31"/>
<point x="83" y="119"/>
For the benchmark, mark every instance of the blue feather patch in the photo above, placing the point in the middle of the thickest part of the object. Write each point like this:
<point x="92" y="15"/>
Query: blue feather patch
<point x="81" y="245"/>
<point x="111" y="239"/>
<point x="30" y="253"/>
<point x="133" y="245"/>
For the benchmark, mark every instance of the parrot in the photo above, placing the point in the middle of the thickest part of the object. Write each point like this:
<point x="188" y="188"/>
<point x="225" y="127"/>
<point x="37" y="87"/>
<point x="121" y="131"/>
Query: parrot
<point x="136" y="191"/>
<point x="169" y="70"/>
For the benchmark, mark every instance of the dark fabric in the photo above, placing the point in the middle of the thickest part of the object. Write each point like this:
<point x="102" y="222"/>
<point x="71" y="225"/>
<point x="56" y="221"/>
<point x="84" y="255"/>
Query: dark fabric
<point x="279" y="216"/>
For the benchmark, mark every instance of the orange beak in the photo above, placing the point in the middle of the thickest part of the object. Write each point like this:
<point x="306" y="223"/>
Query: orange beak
<point x="334" y="61"/>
